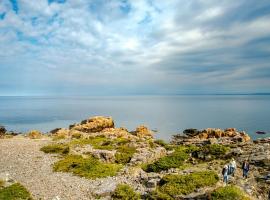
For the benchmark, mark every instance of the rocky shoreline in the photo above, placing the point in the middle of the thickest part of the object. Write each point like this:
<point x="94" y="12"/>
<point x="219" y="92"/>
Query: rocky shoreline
<point x="72" y="163"/>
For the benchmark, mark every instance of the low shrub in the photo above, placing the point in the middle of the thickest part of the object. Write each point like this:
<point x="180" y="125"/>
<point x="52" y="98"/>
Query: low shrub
<point x="58" y="137"/>
<point x="125" y="192"/>
<point x="2" y="183"/>
<point x="56" y="148"/>
<point x="157" y="195"/>
<point x="124" y="154"/>
<point x="86" y="167"/>
<point x="216" y="150"/>
<point x="228" y="193"/>
<point x="174" y="185"/>
<point x="15" y="192"/>
<point x="174" y="160"/>
<point x="76" y="135"/>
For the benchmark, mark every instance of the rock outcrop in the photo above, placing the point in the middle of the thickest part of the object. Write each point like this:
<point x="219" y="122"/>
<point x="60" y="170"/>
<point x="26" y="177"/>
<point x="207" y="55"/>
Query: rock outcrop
<point x="94" y="124"/>
<point x="210" y="136"/>
<point x="143" y="131"/>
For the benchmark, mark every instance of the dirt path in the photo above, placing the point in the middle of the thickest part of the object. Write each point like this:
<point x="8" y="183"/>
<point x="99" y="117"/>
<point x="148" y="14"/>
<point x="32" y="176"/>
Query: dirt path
<point x="20" y="157"/>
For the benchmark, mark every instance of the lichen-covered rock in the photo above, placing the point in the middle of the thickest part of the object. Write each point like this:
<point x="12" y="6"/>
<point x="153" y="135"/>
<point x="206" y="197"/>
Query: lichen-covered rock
<point x="210" y="136"/>
<point x="146" y="155"/>
<point x="117" y="132"/>
<point x="94" y="124"/>
<point x="143" y="131"/>
<point x="104" y="155"/>
<point x="34" y="134"/>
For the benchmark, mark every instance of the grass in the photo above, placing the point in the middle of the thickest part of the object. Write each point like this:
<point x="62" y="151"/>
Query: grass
<point x="125" y="192"/>
<point x="90" y="168"/>
<point x="14" y="192"/>
<point x="174" y="160"/>
<point x="56" y="148"/>
<point x="174" y="185"/>
<point x="228" y="193"/>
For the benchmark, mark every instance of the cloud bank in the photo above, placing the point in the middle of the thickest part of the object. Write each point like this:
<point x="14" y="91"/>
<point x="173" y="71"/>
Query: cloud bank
<point x="119" y="47"/>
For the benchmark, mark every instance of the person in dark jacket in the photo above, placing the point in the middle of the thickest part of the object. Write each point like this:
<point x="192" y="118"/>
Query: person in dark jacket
<point x="245" y="168"/>
<point x="225" y="171"/>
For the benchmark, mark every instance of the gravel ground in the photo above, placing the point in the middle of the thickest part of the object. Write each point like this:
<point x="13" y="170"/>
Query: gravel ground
<point x="20" y="157"/>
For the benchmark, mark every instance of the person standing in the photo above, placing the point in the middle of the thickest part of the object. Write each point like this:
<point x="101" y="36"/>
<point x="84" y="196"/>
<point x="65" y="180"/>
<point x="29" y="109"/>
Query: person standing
<point x="225" y="171"/>
<point x="232" y="167"/>
<point x="245" y="168"/>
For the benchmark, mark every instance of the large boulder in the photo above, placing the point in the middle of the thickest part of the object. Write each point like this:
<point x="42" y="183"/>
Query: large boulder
<point x="94" y="124"/>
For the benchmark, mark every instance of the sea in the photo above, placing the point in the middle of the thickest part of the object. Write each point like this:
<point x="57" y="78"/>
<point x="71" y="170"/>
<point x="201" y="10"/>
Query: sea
<point x="166" y="115"/>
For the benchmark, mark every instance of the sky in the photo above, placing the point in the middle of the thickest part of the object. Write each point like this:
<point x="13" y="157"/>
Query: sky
<point x="134" y="47"/>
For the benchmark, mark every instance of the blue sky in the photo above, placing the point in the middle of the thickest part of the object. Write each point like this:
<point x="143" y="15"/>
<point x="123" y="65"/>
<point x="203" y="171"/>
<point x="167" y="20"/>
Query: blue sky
<point x="120" y="47"/>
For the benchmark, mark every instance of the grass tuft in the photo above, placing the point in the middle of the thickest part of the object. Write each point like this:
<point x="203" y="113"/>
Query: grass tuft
<point x="174" y="160"/>
<point x="229" y="193"/>
<point x="15" y="192"/>
<point x="90" y="168"/>
<point x="125" y="192"/>
<point x="56" y="148"/>
<point x="174" y="185"/>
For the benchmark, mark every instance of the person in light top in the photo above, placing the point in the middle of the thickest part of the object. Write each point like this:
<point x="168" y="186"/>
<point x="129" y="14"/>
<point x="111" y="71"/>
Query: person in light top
<point x="232" y="167"/>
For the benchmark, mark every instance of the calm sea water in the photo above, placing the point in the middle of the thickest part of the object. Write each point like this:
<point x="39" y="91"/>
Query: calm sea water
<point x="167" y="114"/>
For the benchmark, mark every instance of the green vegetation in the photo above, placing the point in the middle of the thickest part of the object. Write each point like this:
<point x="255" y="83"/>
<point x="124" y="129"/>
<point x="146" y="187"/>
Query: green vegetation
<point x="125" y="192"/>
<point x="14" y="192"/>
<point x="229" y="193"/>
<point x="86" y="167"/>
<point x="174" y="160"/>
<point x="157" y="195"/>
<point x="58" y="137"/>
<point x="76" y="135"/>
<point x="100" y="142"/>
<point x="215" y="150"/>
<point x="56" y="148"/>
<point x="124" y="154"/>
<point x="174" y="185"/>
